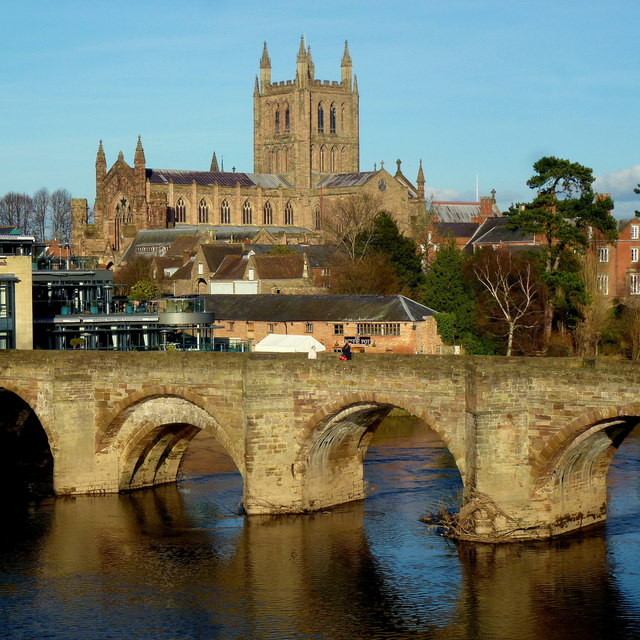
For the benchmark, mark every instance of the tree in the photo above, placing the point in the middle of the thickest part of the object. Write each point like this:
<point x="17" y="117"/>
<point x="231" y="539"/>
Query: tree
<point x="447" y="292"/>
<point x="348" y="223"/>
<point x="401" y="253"/>
<point x="16" y="210"/>
<point x="637" y="190"/>
<point x="512" y="288"/>
<point x="61" y="215"/>
<point x="281" y="250"/>
<point x="41" y="202"/>
<point x="372" y="274"/>
<point x="594" y="310"/>
<point x="563" y="211"/>
<point x="144" y="290"/>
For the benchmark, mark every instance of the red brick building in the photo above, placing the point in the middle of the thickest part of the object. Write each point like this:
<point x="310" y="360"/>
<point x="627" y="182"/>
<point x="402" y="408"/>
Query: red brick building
<point x="371" y="323"/>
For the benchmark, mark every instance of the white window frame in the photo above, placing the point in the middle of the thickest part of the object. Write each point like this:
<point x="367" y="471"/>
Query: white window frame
<point x="634" y="284"/>
<point x="602" y="284"/>
<point x="603" y="254"/>
<point x="635" y="232"/>
<point x="635" y="254"/>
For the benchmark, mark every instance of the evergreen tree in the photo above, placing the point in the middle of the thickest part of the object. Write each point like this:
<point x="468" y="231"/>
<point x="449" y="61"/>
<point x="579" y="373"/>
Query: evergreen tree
<point x="401" y="252"/>
<point x="562" y="212"/>
<point x="447" y="293"/>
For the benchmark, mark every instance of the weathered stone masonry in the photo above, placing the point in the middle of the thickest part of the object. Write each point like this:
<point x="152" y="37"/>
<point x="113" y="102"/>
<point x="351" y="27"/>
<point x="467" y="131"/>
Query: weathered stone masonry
<point x="531" y="437"/>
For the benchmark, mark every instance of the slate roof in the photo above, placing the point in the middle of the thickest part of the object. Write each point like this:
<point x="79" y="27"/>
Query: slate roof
<point x="456" y="229"/>
<point x="222" y="178"/>
<point x="494" y="231"/>
<point x="458" y="211"/>
<point x="319" y="255"/>
<point x="337" y="180"/>
<point x="318" y="308"/>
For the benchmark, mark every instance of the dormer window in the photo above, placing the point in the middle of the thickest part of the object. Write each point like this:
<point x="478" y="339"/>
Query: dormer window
<point x="635" y="232"/>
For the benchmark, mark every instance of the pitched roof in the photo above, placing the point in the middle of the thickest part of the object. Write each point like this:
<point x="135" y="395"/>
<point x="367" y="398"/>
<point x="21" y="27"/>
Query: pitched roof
<point x="214" y="254"/>
<point x="336" y="180"/>
<point x="319" y="308"/>
<point x="458" y="211"/>
<point x="456" y="229"/>
<point x="278" y="267"/>
<point x="182" y="244"/>
<point x="222" y="178"/>
<point x="494" y="231"/>
<point x="231" y="268"/>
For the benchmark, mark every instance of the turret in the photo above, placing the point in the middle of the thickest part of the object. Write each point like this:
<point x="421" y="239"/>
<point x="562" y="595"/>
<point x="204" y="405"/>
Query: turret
<point x="265" y="68"/>
<point x="101" y="166"/>
<point x="302" y="69"/>
<point x="420" y="182"/>
<point x="140" y="163"/>
<point x="346" y="67"/>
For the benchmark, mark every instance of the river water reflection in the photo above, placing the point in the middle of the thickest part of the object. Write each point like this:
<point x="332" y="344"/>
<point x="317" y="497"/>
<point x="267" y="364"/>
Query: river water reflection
<point x="179" y="563"/>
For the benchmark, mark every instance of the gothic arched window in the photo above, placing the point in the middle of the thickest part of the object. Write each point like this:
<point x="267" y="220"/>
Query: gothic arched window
<point x="321" y="163"/>
<point x="332" y="119"/>
<point x="277" y="121"/>
<point x="320" y="118"/>
<point x="288" y="214"/>
<point x="203" y="211"/>
<point x="287" y="120"/>
<point x="317" y="219"/>
<point x="225" y="213"/>
<point x="246" y="212"/>
<point x="181" y="210"/>
<point x="267" y="213"/>
<point x="332" y="161"/>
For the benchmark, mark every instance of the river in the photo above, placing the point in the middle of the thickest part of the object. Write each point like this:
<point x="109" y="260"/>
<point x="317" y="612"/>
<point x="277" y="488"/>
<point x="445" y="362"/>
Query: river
<point x="180" y="563"/>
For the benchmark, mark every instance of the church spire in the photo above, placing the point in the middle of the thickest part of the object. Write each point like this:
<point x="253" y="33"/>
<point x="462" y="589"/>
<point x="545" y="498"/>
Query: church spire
<point x="265" y="67"/>
<point x="265" y="61"/>
<point x="101" y="164"/>
<point x="302" y="52"/>
<point x="345" y="66"/>
<point x="302" y="70"/>
<point x="420" y="181"/>
<point x="139" y="158"/>
<point x="139" y="166"/>
<point x="214" y="163"/>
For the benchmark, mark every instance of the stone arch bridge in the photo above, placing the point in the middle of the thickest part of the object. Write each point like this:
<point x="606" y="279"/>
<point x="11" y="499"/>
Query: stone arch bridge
<point x="532" y="438"/>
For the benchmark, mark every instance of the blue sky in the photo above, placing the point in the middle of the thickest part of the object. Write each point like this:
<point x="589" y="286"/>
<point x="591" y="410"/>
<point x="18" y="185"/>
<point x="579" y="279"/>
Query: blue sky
<point x="474" y="88"/>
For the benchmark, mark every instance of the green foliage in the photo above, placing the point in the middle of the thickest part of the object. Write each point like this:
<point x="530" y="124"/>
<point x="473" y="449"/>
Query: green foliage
<point x="562" y="212"/>
<point x="637" y="190"/>
<point x="400" y="250"/>
<point x="144" y="289"/>
<point x="281" y="250"/>
<point x="564" y="207"/>
<point x="447" y="292"/>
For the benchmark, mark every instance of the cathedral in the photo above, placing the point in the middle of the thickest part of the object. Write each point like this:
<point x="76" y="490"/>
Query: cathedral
<point x="306" y="156"/>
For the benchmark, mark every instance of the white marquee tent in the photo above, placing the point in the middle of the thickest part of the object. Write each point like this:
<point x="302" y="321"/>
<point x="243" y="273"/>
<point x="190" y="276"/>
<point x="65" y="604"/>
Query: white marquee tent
<point x="288" y="344"/>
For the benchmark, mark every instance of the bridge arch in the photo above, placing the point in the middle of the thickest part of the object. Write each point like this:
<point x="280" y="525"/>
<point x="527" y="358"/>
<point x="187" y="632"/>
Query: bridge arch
<point x="557" y="451"/>
<point x="27" y="444"/>
<point x="30" y="397"/>
<point x="570" y="471"/>
<point x="155" y="433"/>
<point x="334" y="441"/>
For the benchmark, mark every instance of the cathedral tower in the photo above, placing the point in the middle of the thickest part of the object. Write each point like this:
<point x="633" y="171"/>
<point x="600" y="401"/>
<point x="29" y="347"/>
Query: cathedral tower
<point x="305" y="128"/>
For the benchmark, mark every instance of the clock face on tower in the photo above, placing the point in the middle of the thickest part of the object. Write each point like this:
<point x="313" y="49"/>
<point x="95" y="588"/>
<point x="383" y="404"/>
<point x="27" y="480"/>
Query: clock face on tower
<point x="382" y="185"/>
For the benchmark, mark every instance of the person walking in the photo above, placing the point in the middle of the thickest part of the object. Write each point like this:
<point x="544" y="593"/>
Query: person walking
<point x="346" y="352"/>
